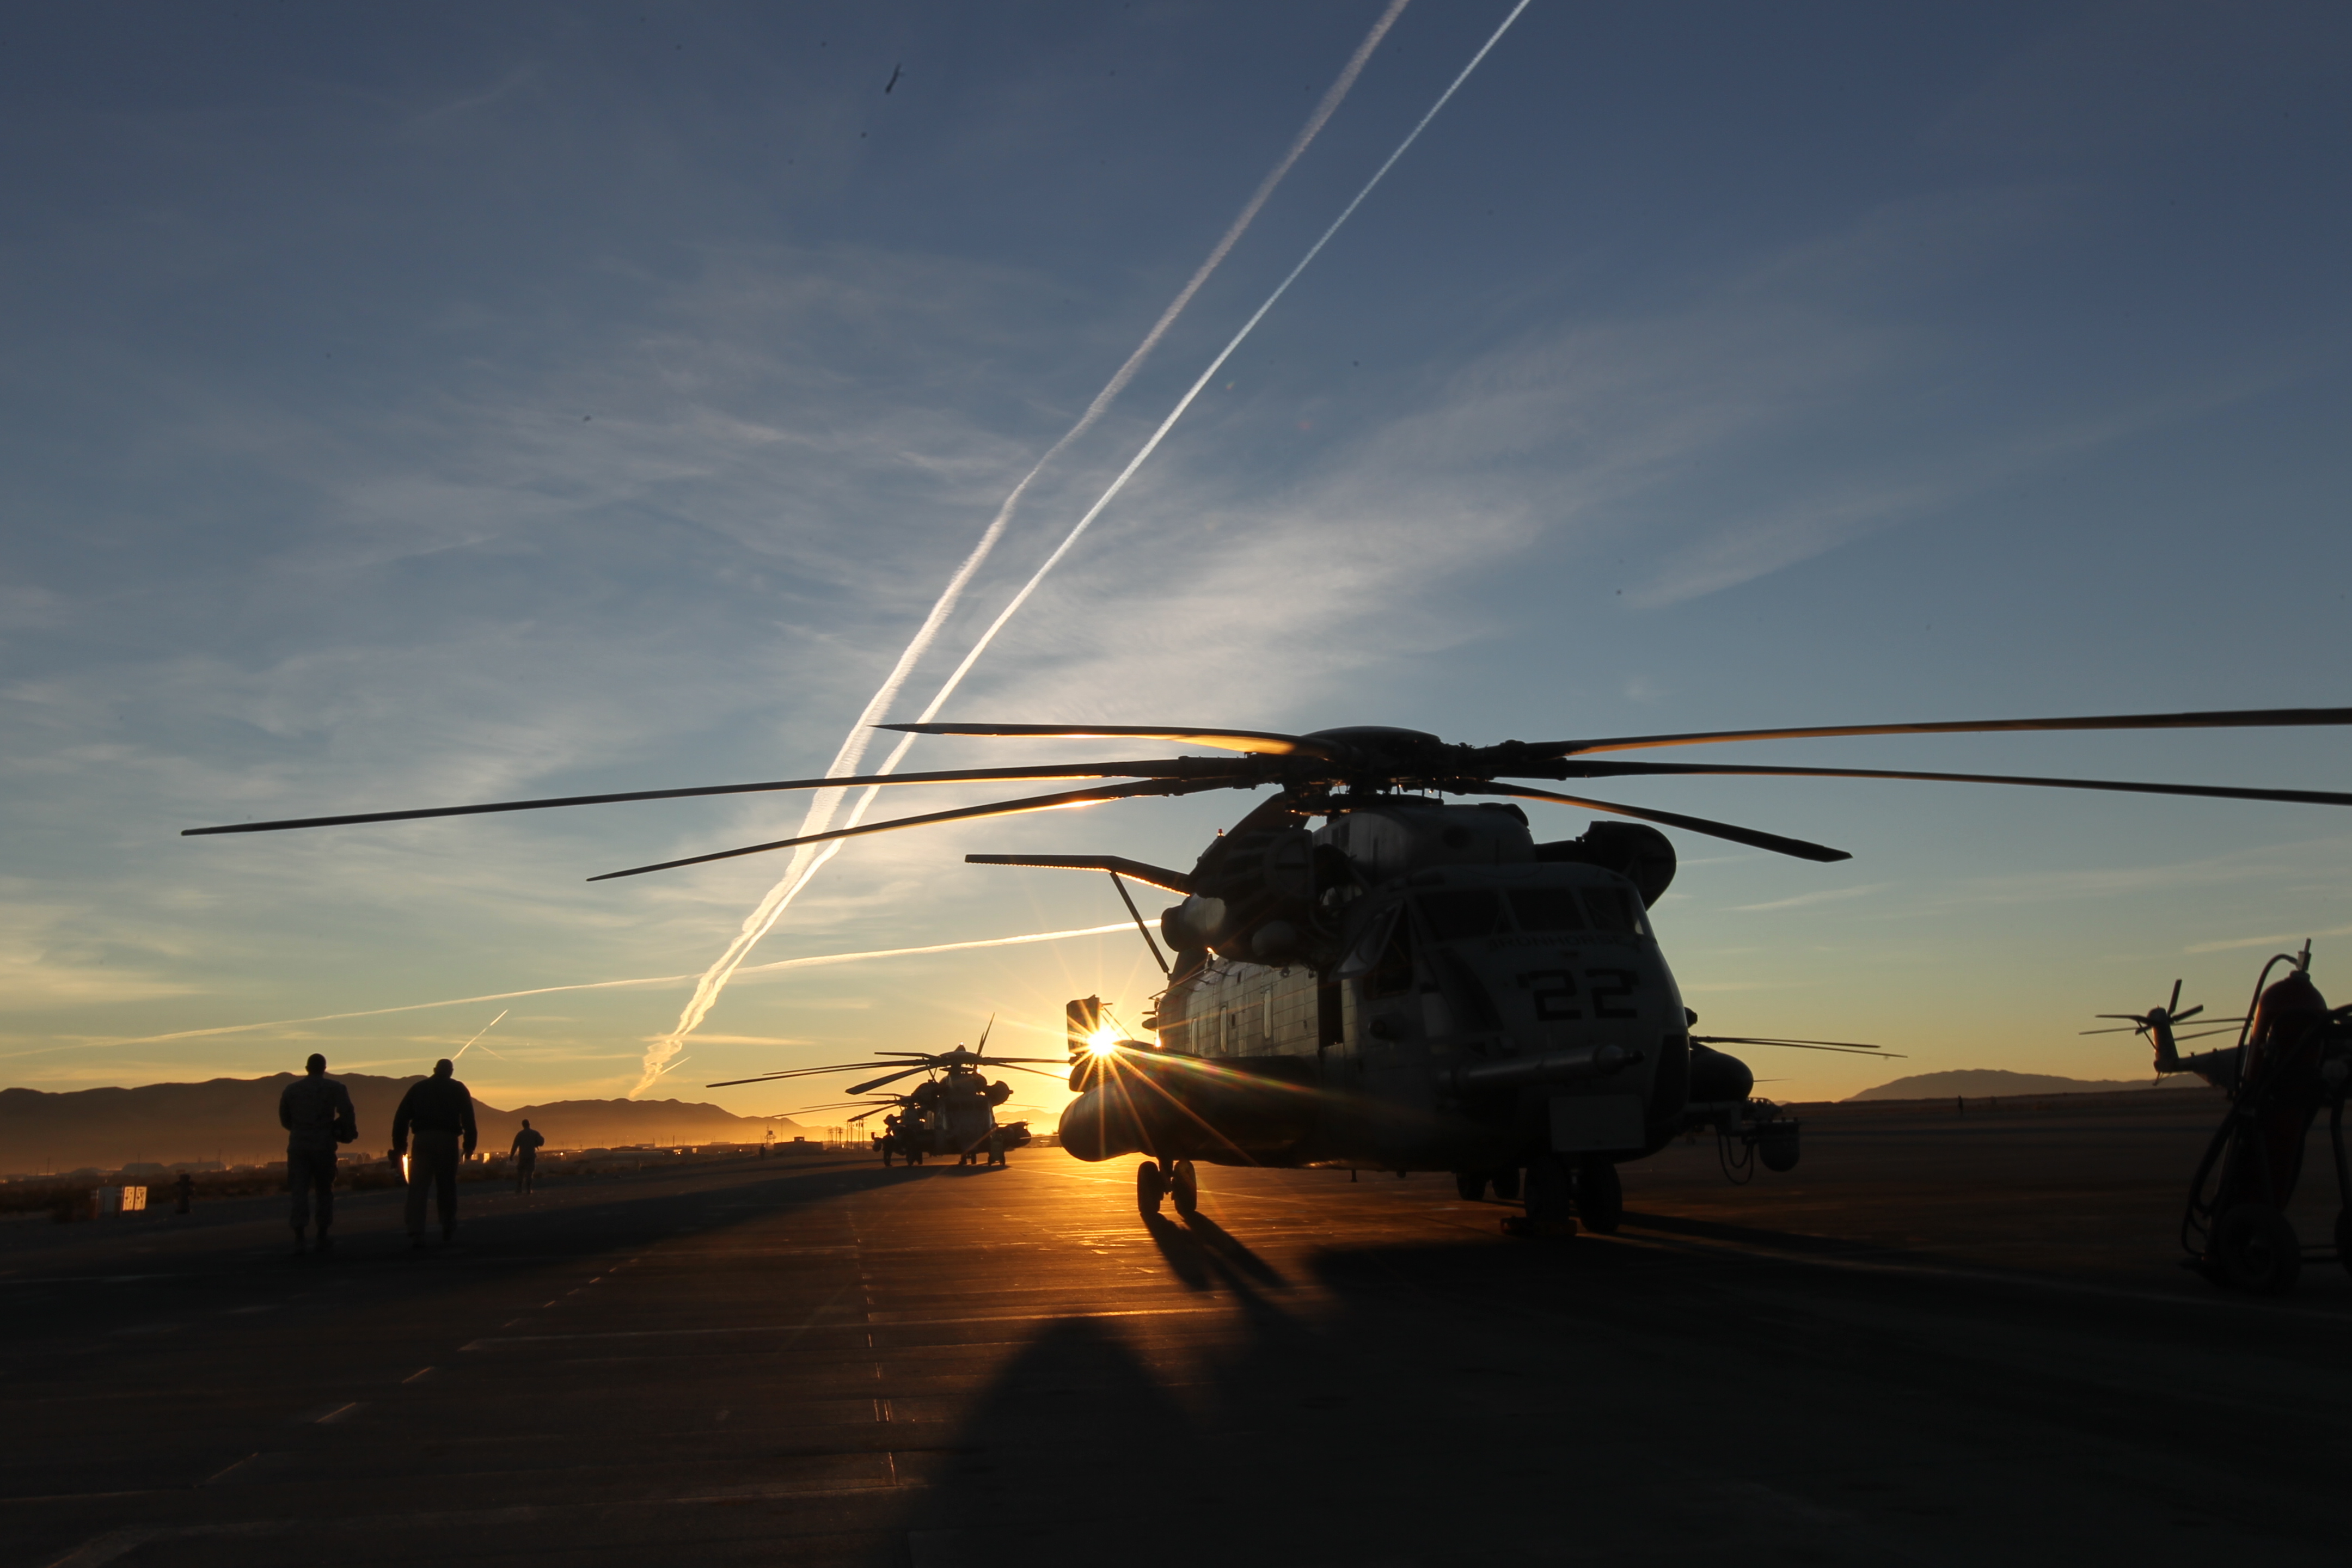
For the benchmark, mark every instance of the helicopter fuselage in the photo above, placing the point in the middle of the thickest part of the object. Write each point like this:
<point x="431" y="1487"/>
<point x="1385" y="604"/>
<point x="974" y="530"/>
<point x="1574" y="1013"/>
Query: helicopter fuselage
<point x="1483" y="1000"/>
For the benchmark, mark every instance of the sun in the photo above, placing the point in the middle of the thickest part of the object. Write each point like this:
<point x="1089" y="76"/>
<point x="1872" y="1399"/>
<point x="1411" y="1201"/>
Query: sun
<point x="1103" y="1041"/>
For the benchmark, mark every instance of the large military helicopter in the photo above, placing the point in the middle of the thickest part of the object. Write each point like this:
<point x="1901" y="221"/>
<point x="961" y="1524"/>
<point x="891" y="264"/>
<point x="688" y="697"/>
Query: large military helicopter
<point x="952" y="1111"/>
<point x="1414" y="984"/>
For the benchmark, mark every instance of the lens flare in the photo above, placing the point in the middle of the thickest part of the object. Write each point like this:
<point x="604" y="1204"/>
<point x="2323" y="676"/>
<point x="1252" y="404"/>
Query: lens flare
<point x="1102" y="1042"/>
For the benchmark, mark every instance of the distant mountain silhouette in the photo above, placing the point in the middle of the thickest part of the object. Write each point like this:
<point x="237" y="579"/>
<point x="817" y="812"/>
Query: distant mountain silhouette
<point x="236" y="1120"/>
<point x="1984" y="1082"/>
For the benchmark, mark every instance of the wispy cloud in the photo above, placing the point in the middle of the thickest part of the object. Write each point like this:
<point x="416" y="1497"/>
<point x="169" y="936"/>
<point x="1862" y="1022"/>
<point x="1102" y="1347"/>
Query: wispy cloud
<point x="1806" y="901"/>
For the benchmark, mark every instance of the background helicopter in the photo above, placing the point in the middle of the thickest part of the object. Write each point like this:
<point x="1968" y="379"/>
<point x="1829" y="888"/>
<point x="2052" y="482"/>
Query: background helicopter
<point x="952" y="1111"/>
<point x="1414" y="984"/>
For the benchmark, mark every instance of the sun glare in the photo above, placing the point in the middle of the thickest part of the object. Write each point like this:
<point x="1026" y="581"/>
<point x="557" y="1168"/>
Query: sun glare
<point x="1103" y="1041"/>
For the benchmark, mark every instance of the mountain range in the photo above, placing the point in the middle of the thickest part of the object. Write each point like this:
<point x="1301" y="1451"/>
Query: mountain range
<point x="1974" y="1083"/>
<point x="234" y="1119"/>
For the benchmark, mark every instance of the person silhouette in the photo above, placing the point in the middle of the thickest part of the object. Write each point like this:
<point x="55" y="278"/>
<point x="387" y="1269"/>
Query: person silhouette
<point x="317" y="1114"/>
<point x="440" y="1111"/>
<point x="525" y="1149"/>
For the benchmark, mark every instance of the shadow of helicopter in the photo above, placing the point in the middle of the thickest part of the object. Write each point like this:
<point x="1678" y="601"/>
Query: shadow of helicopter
<point x="1426" y="1404"/>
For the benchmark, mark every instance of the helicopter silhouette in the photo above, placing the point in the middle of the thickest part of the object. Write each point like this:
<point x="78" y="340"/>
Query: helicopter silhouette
<point x="952" y="1111"/>
<point x="1414" y="984"/>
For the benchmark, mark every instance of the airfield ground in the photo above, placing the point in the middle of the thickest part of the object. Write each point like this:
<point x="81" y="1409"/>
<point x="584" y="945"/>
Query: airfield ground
<point x="1943" y="1340"/>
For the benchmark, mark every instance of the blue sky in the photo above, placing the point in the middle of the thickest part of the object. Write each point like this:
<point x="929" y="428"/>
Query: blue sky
<point x="415" y="407"/>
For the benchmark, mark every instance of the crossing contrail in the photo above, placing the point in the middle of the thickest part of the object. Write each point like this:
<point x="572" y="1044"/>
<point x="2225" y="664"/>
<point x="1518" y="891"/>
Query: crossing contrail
<point x="805" y="865"/>
<point x="480" y="1032"/>
<point x="811" y="961"/>
<point x="809" y="858"/>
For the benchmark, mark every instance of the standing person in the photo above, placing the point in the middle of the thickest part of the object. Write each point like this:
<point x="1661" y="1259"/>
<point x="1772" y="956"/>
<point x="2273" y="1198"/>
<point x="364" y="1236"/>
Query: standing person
<point x="440" y="1111"/>
<point x="525" y="1149"/>
<point x="317" y="1114"/>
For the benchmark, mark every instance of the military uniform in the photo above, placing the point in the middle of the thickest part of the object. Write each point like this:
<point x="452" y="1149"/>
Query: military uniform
<point x="439" y="1111"/>
<point x="525" y="1149"/>
<point x="317" y="1114"/>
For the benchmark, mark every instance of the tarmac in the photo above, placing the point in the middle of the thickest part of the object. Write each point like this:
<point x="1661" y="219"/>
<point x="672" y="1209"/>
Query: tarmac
<point x="1944" y="1339"/>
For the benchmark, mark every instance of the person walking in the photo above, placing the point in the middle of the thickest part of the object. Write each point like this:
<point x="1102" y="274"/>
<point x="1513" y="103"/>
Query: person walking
<point x="440" y="1111"/>
<point x="525" y="1149"/>
<point x="317" y="1114"/>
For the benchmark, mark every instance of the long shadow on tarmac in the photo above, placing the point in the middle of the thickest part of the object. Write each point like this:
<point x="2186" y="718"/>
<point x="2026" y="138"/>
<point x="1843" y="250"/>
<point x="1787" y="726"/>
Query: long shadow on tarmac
<point x="1589" y="1401"/>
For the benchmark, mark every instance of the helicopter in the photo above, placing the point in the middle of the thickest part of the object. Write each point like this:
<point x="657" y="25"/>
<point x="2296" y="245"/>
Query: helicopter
<point x="952" y="1111"/>
<point x="1414" y="984"/>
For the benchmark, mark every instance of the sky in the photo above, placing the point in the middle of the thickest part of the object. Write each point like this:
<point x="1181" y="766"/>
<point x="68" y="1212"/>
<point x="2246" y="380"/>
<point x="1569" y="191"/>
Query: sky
<point x="409" y="407"/>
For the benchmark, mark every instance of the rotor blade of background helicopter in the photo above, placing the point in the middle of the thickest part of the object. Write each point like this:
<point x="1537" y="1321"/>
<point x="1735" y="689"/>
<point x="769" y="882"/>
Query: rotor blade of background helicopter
<point x="1798" y="847"/>
<point x="1675" y="770"/>
<point x="999" y="808"/>
<point x="1841" y="1048"/>
<point x="874" y="1083"/>
<point x="1262" y="742"/>
<point x="2118" y="1030"/>
<point x="2203" y="1034"/>
<point x="1162" y="767"/>
<point x="2224" y="718"/>
<point x="982" y="1046"/>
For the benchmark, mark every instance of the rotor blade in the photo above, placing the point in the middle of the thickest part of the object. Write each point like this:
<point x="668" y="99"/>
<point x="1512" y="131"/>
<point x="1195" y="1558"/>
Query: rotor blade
<point x="1016" y="1067"/>
<point x="1798" y="847"/>
<point x="2205" y="1034"/>
<point x="1846" y="1048"/>
<point x="2183" y="1018"/>
<point x="1676" y="770"/>
<point x="982" y="1049"/>
<point x="2226" y="718"/>
<point x="790" y="1072"/>
<point x="872" y="1083"/>
<point x="1164" y="767"/>
<point x="1119" y="865"/>
<point x="2135" y="1029"/>
<point x="1262" y="742"/>
<point x="999" y="808"/>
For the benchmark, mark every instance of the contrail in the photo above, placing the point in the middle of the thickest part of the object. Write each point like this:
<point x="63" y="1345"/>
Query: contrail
<point x="480" y="1032"/>
<point x="809" y="963"/>
<point x="804" y="870"/>
<point x="807" y="859"/>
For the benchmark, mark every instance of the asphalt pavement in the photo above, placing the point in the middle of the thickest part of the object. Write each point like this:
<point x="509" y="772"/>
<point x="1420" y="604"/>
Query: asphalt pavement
<point x="1935" y="1342"/>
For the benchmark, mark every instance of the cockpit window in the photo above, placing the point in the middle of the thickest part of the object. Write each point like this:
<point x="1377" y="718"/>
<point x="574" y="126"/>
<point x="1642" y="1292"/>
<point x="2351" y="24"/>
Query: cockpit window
<point x="1611" y="908"/>
<point x="1464" y="913"/>
<point x="1546" y="908"/>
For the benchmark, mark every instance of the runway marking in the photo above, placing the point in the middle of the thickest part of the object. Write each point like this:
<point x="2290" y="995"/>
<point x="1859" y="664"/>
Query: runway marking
<point x="224" y="1471"/>
<point x="901" y="1323"/>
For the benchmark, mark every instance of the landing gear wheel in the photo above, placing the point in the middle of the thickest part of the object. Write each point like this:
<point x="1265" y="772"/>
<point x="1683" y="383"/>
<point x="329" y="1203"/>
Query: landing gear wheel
<point x="1507" y="1183"/>
<point x="1470" y="1185"/>
<point x="1549" y="1206"/>
<point x="1183" y="1187"/>
<point x="1149" y="1188"/>
<point x="1600" y="1197"/>
<point x="2257" y="1250"/>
